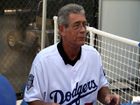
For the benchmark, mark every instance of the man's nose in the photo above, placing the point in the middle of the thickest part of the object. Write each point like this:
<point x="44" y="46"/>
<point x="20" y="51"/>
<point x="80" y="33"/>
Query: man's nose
<point x="83" y="28"/>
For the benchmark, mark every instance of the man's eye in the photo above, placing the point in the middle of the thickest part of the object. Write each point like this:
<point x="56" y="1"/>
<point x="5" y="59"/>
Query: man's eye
<point x="76" y="26"/>
<point x="85" y="24"/>
<point x="79" y="25"/>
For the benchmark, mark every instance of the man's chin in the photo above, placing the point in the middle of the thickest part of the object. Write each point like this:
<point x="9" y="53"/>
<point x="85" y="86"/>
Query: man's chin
<point x="82" y="43"/>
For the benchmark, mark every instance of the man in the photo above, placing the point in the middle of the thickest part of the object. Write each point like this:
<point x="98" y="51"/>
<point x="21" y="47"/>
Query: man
<point x="69" y="72"/>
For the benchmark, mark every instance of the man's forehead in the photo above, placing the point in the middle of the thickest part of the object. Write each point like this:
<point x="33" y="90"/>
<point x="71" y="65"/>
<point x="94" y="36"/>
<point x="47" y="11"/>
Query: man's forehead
<point x="76" y="15"/>
<point x="77" y="18"/>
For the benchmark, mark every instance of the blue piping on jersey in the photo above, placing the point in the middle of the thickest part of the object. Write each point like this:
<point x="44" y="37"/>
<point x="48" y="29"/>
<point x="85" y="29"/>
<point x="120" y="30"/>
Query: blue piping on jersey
<point x="139" y="44"/>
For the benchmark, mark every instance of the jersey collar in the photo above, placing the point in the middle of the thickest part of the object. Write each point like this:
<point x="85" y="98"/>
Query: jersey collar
<point x="65" y="57"/>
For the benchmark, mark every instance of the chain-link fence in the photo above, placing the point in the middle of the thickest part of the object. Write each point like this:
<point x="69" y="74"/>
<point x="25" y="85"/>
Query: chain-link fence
<point x="20" y="24"/>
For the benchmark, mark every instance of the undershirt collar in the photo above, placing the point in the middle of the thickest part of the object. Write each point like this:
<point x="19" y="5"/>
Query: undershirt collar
<point x="64" y="55"/>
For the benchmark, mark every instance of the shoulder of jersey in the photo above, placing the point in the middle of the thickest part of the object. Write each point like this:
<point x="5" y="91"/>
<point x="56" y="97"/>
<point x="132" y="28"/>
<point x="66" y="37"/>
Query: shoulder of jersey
<point x="90" y="49"/>
<point x="48" y="51"/>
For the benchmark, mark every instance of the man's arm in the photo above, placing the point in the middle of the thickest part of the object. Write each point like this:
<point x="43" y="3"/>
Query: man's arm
<point x="38" y="102"/>
<point x="105" y="97"/>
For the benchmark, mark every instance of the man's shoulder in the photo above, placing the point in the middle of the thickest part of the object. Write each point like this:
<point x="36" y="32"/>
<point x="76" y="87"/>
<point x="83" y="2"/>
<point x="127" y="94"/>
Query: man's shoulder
<point x="48" y="51"/>
<point x="49" y="48"/>
<point x="88" y="48"/>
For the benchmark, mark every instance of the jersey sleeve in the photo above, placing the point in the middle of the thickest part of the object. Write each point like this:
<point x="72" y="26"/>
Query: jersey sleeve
<point x="103" y="80"/>
<point x="34" y="87"/>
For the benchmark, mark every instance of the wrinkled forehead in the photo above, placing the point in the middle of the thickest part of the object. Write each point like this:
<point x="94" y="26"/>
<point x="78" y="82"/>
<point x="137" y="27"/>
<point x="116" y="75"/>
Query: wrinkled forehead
<point x="74" y="17"/>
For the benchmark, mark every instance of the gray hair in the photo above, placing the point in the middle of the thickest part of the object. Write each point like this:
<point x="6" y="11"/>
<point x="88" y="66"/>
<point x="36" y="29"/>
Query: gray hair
<point x="65" y="11"/>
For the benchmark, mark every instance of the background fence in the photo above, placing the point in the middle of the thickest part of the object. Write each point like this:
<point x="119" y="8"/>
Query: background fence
<point x="20" y="34"/>
<point x="121" y="61"/>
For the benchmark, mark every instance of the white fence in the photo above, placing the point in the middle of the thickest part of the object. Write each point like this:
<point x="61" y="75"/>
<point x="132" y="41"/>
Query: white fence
<point x="121" y="60"/>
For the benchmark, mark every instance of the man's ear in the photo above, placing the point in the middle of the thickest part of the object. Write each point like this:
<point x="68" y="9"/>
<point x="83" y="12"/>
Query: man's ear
<point x="61" y="29"/>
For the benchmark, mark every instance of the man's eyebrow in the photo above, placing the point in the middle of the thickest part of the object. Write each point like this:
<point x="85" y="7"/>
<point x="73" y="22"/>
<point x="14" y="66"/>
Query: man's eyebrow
<point x="77" y="22"/>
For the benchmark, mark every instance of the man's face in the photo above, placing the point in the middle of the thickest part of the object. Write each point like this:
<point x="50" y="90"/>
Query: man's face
<point x="74" y="35"/>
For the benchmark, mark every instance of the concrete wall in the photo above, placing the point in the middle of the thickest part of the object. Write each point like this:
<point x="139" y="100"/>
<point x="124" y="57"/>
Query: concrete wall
<point x="121" y="17"/>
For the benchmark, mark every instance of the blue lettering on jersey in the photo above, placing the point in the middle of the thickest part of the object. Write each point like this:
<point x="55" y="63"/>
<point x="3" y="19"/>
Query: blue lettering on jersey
<point x="78" y="92"/>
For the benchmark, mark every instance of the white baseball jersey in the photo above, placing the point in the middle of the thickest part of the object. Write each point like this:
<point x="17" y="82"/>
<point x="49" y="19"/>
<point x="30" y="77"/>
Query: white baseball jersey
<point x="51" y="80"/>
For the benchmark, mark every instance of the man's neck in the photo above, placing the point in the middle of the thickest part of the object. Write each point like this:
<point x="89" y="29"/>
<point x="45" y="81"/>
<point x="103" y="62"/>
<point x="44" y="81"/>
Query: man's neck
<point x="65" y="57"/>
<point x="71" y="51"/>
